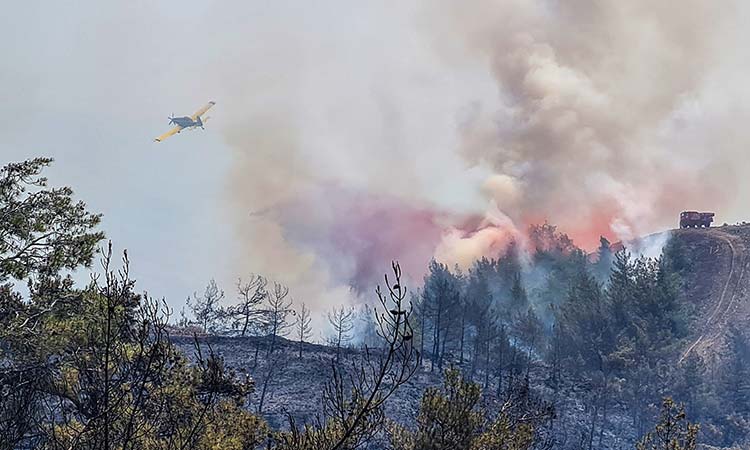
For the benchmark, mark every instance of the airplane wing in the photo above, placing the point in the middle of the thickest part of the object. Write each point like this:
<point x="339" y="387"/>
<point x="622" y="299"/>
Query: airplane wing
<point x="202" y="110"/>
<point x="171" y="132"/>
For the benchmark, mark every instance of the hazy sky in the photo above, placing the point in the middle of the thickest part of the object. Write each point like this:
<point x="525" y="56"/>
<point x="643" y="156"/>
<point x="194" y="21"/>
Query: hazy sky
<point x="349" y="133"/>
<point x="91" y="84"/>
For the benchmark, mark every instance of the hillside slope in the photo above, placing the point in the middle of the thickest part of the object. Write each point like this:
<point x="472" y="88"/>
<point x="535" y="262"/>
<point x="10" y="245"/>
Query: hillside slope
<point x="714" y="267"/>
<point x="295" y="383"/>
<point x="715" y="284"/>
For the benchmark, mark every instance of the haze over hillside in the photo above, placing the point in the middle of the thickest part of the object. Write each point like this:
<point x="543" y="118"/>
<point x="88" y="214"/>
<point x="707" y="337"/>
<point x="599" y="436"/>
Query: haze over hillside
<point x="515" y="168"/>
<point x="711" y="296"/>
<point x="348" y="135"/>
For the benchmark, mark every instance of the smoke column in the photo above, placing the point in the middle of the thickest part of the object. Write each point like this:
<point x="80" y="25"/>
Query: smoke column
<point x="443" y="129"/>
<point x="591" y="96"/>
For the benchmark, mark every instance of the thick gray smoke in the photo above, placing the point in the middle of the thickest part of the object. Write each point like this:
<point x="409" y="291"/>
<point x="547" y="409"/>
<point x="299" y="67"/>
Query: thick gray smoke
<point x="593" y="99"/>
<point x="364" y="133"/>
<point x="343" y="138"/>
<point x="349" y="133"/>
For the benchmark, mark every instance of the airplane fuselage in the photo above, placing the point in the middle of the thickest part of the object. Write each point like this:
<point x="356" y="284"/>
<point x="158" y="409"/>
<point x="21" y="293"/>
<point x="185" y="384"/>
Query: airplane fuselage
<point x="185" y="122"/>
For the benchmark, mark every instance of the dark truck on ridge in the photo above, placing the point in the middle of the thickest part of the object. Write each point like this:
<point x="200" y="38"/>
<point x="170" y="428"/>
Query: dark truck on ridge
<point x="695" y="219"/>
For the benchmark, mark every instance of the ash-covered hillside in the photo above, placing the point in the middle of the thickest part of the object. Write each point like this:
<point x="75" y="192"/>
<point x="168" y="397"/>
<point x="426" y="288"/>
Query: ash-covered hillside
<point x="602" y="340"/>
<point x="294" y="384"/>
<point x="713" y="264"/>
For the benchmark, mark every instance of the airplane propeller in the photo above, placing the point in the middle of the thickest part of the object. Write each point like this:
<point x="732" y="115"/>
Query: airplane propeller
<point x="171" y="119"/>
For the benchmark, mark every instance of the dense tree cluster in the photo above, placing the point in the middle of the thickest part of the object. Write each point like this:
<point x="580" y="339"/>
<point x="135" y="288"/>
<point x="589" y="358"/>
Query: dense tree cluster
<point x="605" y="328"/>
<point x="451" y="418"/>
<point x="94" y="367"/>
<point x="672" y="432"/>
<point x="542" y="347"/>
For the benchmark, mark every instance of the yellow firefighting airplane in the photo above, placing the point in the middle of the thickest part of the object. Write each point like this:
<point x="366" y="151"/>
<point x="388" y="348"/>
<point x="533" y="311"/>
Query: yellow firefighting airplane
<point x="182" y="123"/>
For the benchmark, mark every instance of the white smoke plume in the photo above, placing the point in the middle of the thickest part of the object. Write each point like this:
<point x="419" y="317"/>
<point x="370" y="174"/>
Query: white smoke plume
<point x="591" y="98"/>
<point x="443" y="129"/>
<point x="351" y="133"/>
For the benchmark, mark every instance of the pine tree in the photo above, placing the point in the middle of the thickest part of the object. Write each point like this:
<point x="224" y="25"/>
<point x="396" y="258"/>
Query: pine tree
<point x="529" y="329"/>
<point x="480" y="315"/>
<point x="342" y="321"/>
<point x="690" y="386"/>
<point x="42" y="229"/>
<point x="584" y="325"/>
<point x="604" y="259"/>
<point x="666" y="289"/>
<point x="302" y="326"/>
<point x="450" y="418"/>
<point x="620" y="288"/>
<point x="206" y="309"/>
<point x="277" y="312"/>
<point x="279" y="309"/>
<point x="249" y="314"/>
<point x="519" y="299"/>
<point x="508" y="266"/>
<point x="441" y="302"/>
<point x="502" y="350"/>
<point x="672" y="432"/>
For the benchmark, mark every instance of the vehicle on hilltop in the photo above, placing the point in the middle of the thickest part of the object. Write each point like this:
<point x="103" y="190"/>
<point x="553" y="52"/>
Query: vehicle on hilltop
<point x="695" y="219"/>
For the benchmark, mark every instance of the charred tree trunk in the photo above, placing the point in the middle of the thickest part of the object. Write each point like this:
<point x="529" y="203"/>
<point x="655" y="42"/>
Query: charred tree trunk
<point x="463" y="333"/>
<point x="487" y="365"/>
<point x="436" y="339"/>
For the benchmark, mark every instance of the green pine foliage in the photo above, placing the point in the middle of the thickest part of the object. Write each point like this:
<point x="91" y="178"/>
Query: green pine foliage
<point x="672" y="432"/>
<point x="450" y="418"/>
<point x="93" y="367"/>
<point x="612" y="323"/>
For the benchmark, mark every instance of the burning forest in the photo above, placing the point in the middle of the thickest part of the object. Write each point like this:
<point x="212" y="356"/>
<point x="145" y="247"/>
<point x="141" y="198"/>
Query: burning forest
<point x="443" y="225"/>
